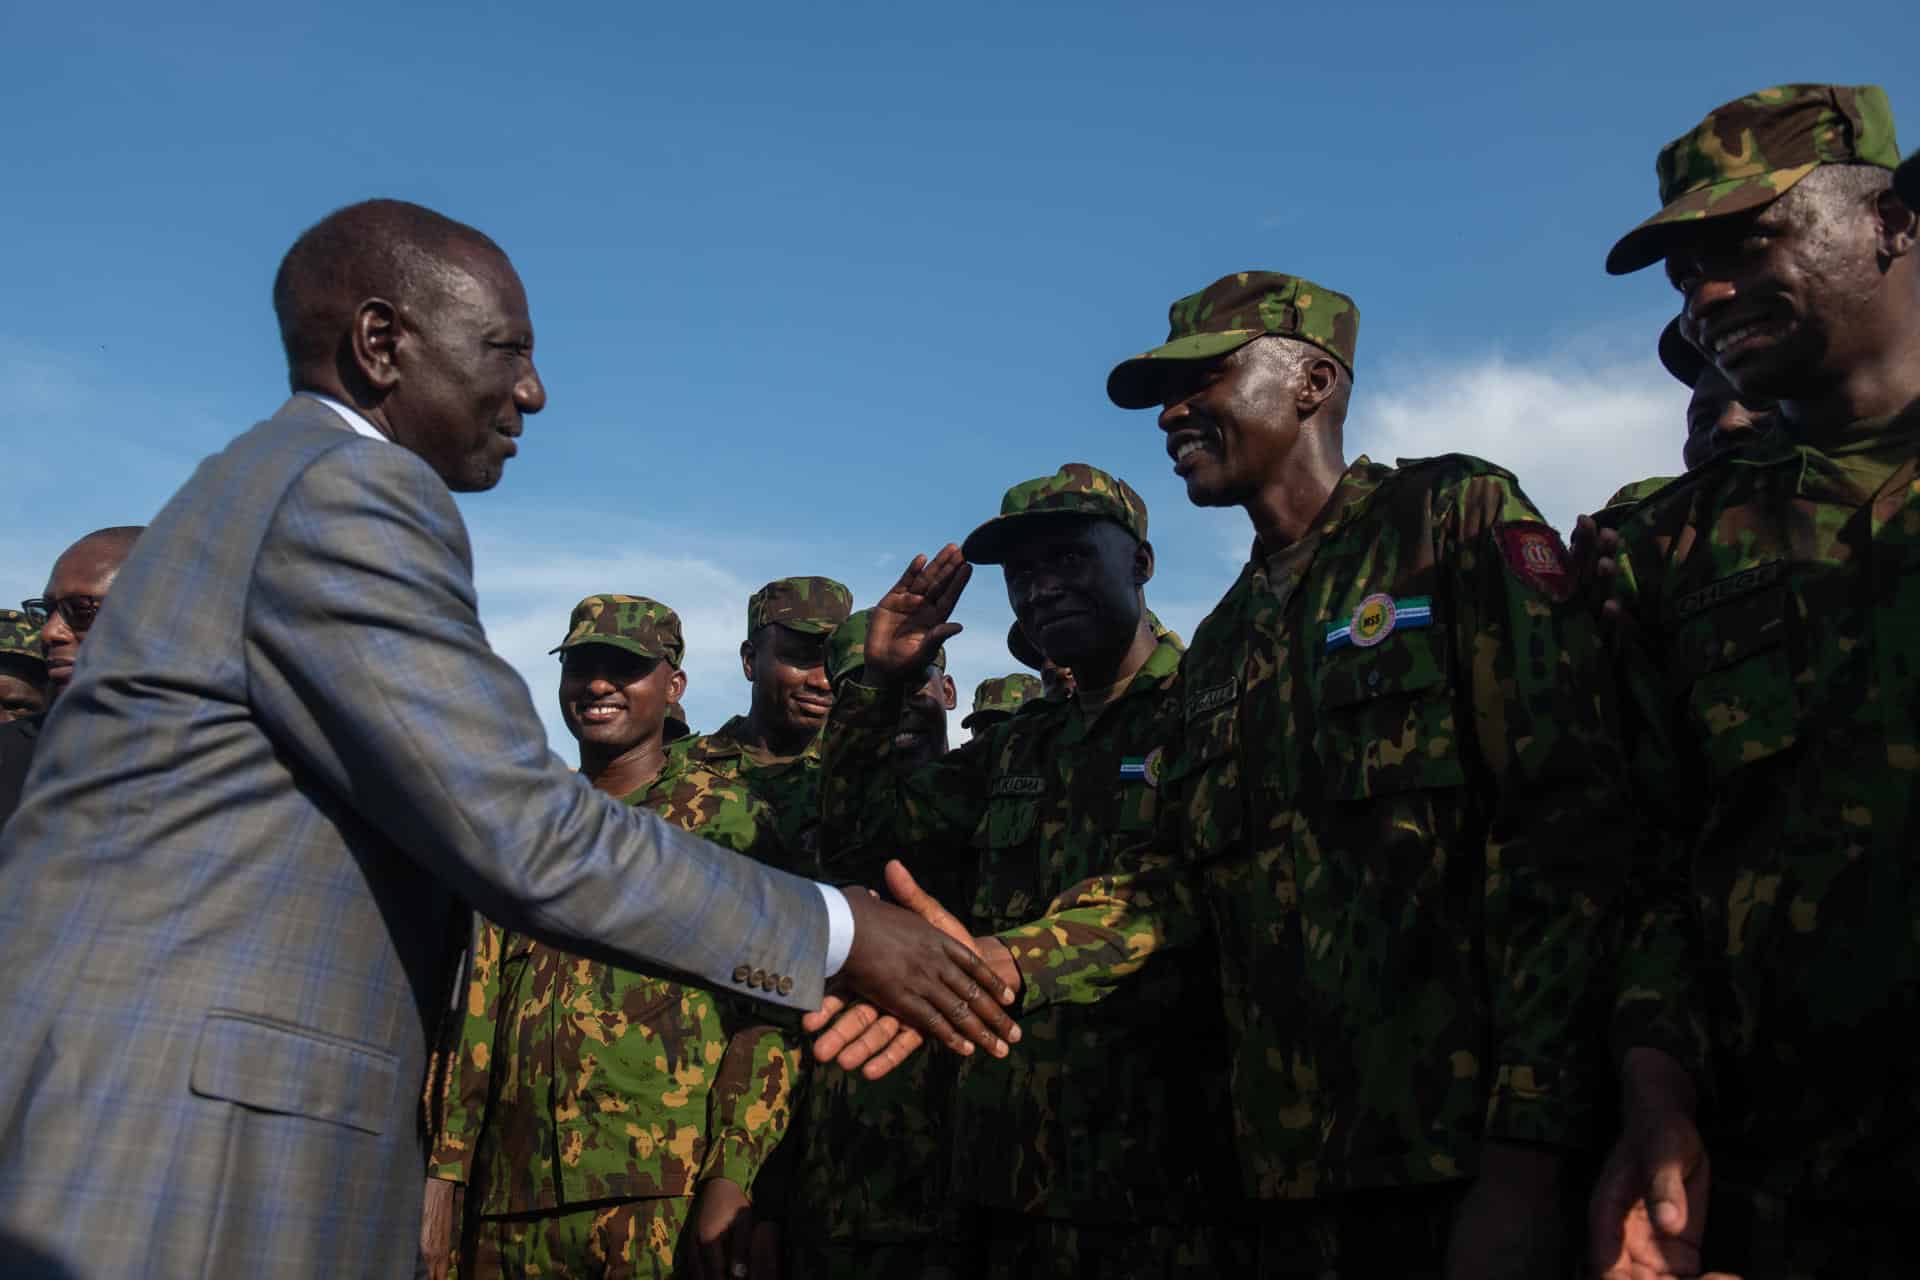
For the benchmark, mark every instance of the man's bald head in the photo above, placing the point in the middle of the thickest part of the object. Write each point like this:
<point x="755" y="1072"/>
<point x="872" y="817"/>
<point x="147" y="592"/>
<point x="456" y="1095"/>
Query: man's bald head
<point x="76" y="590"/>
<point x="391" y="249"/>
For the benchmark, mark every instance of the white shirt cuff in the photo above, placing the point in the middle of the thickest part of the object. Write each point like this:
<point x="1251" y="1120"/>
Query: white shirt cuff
<point x="839" y="927"/>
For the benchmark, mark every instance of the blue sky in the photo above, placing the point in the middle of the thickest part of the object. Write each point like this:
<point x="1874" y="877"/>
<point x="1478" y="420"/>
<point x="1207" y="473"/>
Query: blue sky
<point x="814" y="284"/>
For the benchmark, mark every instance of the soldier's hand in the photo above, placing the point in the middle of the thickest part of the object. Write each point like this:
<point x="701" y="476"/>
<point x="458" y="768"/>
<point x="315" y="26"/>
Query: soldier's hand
<point x="908" y="626"/>
<point x="437" y="1227"/>
<point x="1595" y="566"/>
<point x="856" y="1034"/>
<point x="722" y="1231"/>
<point x="1512" y="1223"/>
<point x="1649" y="1207"/>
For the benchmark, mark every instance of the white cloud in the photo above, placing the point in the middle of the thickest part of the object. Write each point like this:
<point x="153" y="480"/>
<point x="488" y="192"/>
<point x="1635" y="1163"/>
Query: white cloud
<point x="1573" y="427"/>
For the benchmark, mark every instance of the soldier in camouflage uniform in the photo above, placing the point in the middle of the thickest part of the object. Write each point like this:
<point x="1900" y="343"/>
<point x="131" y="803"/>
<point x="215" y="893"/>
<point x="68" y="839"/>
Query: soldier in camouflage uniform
<point x="1055" y="680"/>
<point x="1770" y="670"/>
<point x="1095" y="1150"/>
<point x="611" y="1122"/>
<point x="775" y="747"/>
<point x="1391" y="808"/>
<point x="1717" y="420"/>
<point x="23" y="668"/>
<point x="870" y="1198"/>
<point x="996" y="699"/>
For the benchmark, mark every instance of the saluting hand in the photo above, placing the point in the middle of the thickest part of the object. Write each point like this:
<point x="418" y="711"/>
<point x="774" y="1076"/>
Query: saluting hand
<point x="908" y="626"/>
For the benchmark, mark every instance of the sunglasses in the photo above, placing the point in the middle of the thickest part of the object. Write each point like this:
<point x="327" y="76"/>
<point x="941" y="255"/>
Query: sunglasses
<point x="78" y="612"/>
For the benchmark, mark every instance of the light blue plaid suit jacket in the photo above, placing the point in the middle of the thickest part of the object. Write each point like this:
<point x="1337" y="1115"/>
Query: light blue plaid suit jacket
<point x="287" y="747"/>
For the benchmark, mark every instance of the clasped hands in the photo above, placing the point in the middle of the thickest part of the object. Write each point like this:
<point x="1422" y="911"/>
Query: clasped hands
<point x="876" y="1013"/>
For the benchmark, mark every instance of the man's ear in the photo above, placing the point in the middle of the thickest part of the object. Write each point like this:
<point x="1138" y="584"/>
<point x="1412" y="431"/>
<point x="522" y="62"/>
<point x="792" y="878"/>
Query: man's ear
<point x="1896" y="226"/>
<point x="1318" y="381"/>
<point x="375" y="340"/>
<point x="1143" y="564"/>
<point x="746" y="659"/>
<point x="950" y="698"/>
<point x="677" y="685"/>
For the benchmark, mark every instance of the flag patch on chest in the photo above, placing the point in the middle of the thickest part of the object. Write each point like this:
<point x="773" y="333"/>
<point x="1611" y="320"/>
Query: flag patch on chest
<point x="1377" y="617"/>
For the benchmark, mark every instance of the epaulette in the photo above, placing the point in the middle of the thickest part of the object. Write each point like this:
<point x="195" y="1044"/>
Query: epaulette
<point x="1465" y="461"/>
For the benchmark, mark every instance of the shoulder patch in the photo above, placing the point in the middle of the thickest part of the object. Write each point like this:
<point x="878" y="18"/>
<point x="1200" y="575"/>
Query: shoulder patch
<point x="1535" y="555"/>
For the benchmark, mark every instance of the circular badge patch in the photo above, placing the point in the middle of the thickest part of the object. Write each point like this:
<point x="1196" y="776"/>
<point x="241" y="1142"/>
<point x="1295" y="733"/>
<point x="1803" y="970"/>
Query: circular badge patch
<point x="1155" y="762"/>
<point x="1373" y="620"/>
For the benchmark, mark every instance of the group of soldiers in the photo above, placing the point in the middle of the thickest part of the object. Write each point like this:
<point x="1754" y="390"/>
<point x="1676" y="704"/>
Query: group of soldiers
<point x="1457" y="904"/>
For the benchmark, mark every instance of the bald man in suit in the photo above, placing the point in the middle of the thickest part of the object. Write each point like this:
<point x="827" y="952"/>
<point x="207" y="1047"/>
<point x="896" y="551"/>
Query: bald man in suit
<point x="287" y="755"/>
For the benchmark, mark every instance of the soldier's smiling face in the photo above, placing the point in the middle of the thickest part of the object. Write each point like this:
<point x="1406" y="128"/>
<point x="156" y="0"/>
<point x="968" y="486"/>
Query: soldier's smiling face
<point x="788" y="669"/>
<point x="1074" y="583"/>
<point x="614" y="700"/>
<point x="1780" y="299"/>
<point x="1231" y="422"/>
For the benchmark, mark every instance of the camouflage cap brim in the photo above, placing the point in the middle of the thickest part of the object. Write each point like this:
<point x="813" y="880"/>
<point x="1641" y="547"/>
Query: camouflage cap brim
<point x="975" y="717"/>
<point x="1135" y="383"/>
<point x="808" y="626"/>
<point x="618" y="642"/>
<point x="1681" y="358"/>
<point x="990" y="542"/>
<point x="1906" y="182"/>
<point x="1023" y="649"/>
<point x="1647" y="243"/>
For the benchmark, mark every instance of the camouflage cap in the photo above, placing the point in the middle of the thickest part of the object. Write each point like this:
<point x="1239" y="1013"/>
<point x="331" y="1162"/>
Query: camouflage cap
<point x="633" y="623"/>
<point x="1024" y="651"/>
<point x="1752" y="150"/>
<point x="1230" y="313"/>
<point x="847" y="647"/>
<point x="1161" y="631"/>
<point x="1074" y="490"/>
<point x="677" y="725"/>
<point x="1906" y="181"/>
<point x="813" y="606"/>
<point x="1682" y="359"/>
<point x="19" y="638"/>
<point x="1003" y="694"/>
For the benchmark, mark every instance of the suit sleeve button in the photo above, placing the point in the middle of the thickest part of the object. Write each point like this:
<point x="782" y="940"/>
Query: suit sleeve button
<point x="742" y="974"/>
<point x="786" y="986"/>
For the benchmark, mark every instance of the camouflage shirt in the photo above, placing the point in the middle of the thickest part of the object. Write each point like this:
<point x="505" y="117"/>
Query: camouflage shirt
<point x="1109" y="1115"/>
<point x="1396" y="803"/>
<point x="1626" y="498"/>
<point x="574" y="1081"/>
<point x="1771" y="674"/>
<point x="790" y="785"/>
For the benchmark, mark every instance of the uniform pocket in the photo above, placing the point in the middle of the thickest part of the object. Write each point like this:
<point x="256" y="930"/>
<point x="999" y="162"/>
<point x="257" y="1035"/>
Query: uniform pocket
<point x="1740" y="699"/>
<point x="1387" y="720"/>
<point x="1009" y="859"/>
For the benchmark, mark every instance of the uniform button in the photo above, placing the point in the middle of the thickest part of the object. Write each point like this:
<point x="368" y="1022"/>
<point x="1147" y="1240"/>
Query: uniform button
<point x="786" y="986"/>
<point x="759" y="979"/>
<point x="743" y="974"/>
<point x="1373" y="679"/>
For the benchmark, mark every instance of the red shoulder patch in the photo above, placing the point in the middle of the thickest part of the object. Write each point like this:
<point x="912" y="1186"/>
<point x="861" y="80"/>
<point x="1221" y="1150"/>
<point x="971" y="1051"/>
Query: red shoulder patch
<point x="1535" y="555"/>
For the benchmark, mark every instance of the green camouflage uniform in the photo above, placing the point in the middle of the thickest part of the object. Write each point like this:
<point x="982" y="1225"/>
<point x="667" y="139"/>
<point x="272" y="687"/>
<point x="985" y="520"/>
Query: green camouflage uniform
<point x="1390" y="804"/>
<point x="870" y="1196"/>
<point x="20" y="658"/>
<point x="574" y="1084"/>
<point x="1100" y="1139"/>
<point x="789" y="784"/>
<point x="998" y="697"/>
<point x="1772" y="683"/>
<point x="19" y="638"/>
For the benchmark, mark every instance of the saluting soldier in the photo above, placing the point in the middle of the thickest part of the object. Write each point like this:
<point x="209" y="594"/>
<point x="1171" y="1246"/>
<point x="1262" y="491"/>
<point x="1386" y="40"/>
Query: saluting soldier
<point x="1097" y="1149"/>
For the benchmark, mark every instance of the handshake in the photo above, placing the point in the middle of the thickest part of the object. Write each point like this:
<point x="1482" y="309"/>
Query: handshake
<point x="921" y="964"/>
